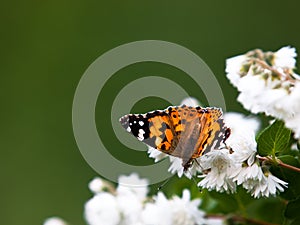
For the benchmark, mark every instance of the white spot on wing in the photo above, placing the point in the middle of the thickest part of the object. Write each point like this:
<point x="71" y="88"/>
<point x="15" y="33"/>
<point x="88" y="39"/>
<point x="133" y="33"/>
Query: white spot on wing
<point x="128" y="129"/>
<point x="141" y="123"/>
<point x="141" y="134"/>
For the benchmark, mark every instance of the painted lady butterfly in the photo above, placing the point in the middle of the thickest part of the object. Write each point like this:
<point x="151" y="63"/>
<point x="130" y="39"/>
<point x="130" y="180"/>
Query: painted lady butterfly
<point x="182" y="131"/>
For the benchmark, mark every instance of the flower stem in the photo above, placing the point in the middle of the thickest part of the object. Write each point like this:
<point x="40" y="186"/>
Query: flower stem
<point x="279" y="163"/>
<point x="237" y="218"/>
<point x="286" y="75"/>
<point x="253" y="221"/>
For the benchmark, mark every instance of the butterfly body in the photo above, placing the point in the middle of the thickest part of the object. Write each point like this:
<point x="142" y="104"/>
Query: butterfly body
<point x="181" y="131"/>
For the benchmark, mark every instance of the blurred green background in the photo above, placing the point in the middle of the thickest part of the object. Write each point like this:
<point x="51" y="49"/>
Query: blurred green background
<point x="47" y="45"/>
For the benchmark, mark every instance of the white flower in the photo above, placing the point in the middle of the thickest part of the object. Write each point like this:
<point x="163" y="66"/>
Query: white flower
<point x="224" y="168"/>
<point x="233" y="68"/>
<point x="273" y="90"/>
<point x="54" y="221"/>
<point x="265" y="187"/>
<point x="176" y="167"/>
<point x="285" y="57"/>
<point x="176" y="211"/>
<point x="220" y="166"/>
<point x="242" y="137"/>
<point x="246" y="173"/>
<point x="102" y="209"/>
<point x="157" y="155"/>
<point x="123" y="208"/>
<point x="132" y="184"/>
<point x="185" y="211"/>
<point x="294" y="124"/>
<point x="97" y="185"/>
<point x="190" y="101"/>
<point x="131" y="207"/>
<point x="243" y="145"/>
<point x="291" y="109"/>
<point x="238" y="122"/>
<point x="258" y="95"/>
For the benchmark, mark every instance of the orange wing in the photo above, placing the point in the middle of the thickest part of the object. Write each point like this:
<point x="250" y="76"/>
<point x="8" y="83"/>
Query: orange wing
<point x="181" y="131"/>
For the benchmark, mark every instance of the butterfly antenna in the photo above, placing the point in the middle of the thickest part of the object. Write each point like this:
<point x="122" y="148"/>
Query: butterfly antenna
<point x="198" y="164"/>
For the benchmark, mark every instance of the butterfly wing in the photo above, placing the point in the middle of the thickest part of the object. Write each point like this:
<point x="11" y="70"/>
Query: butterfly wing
<point x="153" y="128"/>
<point x="213" y="131"/>
<point x="181" y="131"/>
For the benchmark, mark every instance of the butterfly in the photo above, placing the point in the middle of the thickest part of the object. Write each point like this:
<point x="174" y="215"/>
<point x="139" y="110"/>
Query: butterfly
<point x="182" y="131"/>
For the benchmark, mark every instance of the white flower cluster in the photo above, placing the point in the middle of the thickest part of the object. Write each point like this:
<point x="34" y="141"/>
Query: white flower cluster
<point x="54" y="221"/>
<point x="129" y="205"/>
<point x="239" y="167"/>
<point x="267" y="84"/>
<point x="223" y="170"/>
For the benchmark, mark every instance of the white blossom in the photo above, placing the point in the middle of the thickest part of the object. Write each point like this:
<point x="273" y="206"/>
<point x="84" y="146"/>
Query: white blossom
<point x="267" y="186"/>
<point x="190" y="101"/>
<point x="132" y="184"/>
<point x="97" y="185"/>
<point x="233" y="68"/>
<point x="291" y="109"/>
<point x="270" y="89"/>
<point x="176" y="167"/>
<point x="123" y="206"/>
<point x="131" y="207"/>
<point x="242" y="137"/>
<point x="220" y="166"/>
<point x="102" y="209"/>
<point x="244" y="173"/>
<point x="176" y="211"/>
<point x="127" y="207"/>
<point x="285" y="57"/>
<point x="243" y="145"/>
<point x="246" y="168"/>
<point x="54" y="221"/>
<point x="155" y="154"/>
<point x="238" y="122"/>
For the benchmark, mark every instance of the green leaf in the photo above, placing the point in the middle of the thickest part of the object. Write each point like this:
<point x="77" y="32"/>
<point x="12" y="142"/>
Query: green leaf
<point x="226" y="203"/>
<point x="296" y="221"/>
<point x="275" y="138"/>
<point x="230" y="203"/>
<point x="292" y="209"/>
<point x="267" y="209"/>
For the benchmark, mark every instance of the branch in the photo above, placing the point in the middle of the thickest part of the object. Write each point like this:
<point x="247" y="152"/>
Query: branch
<point x="279" y="163"/>
<point x="236" y="218"/>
